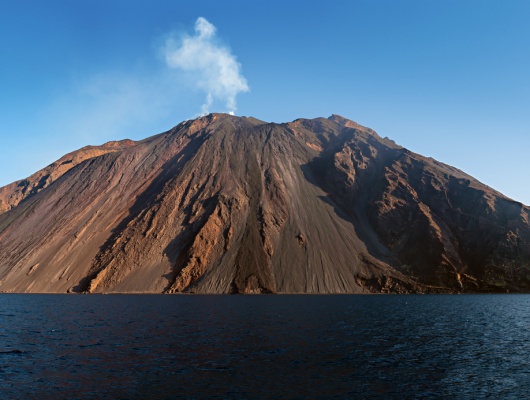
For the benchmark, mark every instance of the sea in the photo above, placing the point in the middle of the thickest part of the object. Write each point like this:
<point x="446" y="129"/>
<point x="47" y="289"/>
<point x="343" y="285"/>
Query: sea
<point x="264" y="346"/>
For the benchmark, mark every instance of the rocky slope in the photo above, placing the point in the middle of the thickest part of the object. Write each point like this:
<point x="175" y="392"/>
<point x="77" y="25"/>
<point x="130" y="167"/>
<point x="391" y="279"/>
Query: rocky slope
<point x="225" y="204"/>
<point x="15" y="192"/>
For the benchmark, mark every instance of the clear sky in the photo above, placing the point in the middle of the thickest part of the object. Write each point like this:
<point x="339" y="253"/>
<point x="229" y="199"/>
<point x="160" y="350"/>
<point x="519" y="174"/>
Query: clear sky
<point x="448" y="79"/>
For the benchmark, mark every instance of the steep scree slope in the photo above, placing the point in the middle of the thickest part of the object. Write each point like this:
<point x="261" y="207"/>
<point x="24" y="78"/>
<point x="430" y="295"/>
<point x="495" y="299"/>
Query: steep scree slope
<point x="225" y="204"/>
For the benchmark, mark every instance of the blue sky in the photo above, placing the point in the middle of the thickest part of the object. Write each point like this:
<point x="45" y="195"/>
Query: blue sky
<point x="447" y="79"/>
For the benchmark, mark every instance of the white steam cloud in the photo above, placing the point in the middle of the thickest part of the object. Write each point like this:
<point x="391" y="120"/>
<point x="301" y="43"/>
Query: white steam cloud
<point x="215" y="68"/>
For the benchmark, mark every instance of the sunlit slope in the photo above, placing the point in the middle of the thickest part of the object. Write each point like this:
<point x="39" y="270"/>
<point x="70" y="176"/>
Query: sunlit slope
<point x="225" y="204"/>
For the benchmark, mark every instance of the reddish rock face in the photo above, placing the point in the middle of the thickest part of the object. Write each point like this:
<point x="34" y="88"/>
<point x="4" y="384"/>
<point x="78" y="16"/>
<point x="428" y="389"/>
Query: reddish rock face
<point x="225" y="204"/>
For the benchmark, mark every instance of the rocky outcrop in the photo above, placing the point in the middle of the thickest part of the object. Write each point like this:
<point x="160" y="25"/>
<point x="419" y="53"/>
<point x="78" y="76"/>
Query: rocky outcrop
<point x="225" y="204"/>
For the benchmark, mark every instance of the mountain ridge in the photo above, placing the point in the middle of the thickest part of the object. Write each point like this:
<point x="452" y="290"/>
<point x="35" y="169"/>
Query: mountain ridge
<point x="225" y="204"/>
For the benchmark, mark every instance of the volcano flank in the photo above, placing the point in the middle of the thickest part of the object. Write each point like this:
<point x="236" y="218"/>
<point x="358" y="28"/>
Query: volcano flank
<point x="225" y="204"/>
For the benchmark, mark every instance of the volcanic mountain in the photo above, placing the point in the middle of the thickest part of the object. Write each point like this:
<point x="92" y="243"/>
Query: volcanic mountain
<point x="225" y="204"/>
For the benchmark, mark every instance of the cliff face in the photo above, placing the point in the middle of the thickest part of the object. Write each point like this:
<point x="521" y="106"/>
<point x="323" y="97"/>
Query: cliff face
<point x="224" y="204"/>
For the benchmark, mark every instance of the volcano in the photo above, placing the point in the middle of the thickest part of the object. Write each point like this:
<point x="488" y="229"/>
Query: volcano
<point x="225" y="204"/>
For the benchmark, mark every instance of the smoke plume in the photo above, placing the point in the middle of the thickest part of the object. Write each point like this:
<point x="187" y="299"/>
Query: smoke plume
<point x="212" y="65"/>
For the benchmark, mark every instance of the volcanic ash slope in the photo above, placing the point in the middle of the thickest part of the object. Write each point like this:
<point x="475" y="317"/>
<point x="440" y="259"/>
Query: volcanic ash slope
<point x="225" y="204"/>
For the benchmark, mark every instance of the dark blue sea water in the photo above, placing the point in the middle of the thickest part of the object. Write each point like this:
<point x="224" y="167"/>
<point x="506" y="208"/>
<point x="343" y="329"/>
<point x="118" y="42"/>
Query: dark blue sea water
<point x="143" y="346"/>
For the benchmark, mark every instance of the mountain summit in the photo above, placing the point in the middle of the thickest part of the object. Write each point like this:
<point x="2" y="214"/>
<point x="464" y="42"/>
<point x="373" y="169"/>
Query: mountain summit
<point x="225" y="204"/>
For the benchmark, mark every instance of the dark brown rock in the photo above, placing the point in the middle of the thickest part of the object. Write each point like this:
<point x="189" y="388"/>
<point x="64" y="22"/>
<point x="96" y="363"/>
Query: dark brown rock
<point x="223" y="204"/>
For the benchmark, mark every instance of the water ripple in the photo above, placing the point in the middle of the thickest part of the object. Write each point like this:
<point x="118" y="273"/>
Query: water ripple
<point x="136" y="347"/>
